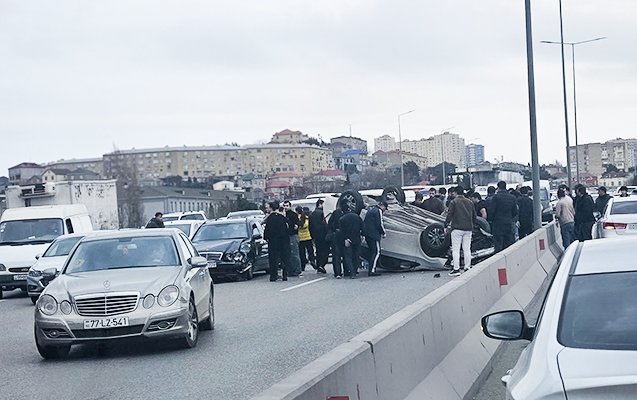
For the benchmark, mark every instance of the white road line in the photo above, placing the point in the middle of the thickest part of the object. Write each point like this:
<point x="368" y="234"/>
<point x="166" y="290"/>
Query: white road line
<point x="303" y="284"/>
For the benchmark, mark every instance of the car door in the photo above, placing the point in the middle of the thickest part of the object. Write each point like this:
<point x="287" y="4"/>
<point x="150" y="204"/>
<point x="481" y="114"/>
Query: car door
<point x="197" y="276"/>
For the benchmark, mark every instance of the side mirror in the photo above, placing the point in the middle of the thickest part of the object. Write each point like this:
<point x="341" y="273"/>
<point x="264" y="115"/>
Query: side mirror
<point x="198" y="262"/>
<point x="37" y="256"/>
<point x="49" y="273"/>
<point x="257" y="236"/>
<point x="506" y="325"/>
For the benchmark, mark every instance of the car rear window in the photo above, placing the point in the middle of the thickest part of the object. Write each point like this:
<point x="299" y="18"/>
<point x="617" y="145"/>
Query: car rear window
<point x="624" y="207"/>
<point x="600" y="312"/>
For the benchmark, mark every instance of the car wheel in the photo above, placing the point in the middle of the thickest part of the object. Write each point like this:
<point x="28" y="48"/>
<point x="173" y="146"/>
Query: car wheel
<point x="51" y="352"/>
<point x="249" y="274"/>
<point x="353" y="199"/>
<point x="34" y="299"/>
<point x="190" y="340"/>
<point x="209" y="323"/>
<point x="393" y="192"/>
<point x="433" y="240"/>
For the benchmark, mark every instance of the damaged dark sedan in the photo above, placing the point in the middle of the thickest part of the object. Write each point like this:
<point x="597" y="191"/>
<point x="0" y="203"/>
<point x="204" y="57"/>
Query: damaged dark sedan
<point x="234" y="248"/>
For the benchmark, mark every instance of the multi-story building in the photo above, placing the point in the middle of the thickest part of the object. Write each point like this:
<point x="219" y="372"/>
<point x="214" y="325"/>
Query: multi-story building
<point x="590" y="160"/>
<point x="620" y="153"/>
<point x="474" y="154"/>
<point x="200" y="163"/>
<point x="387" y="159"/>
<point x="349" y="142"/>
<point x="448" y="147"/>
<point x="385" y="143"/>
<point x="24" y="173"/>
<point x="352" y="160"/>
<point x="288" y="136"/>
<point x="92" y="164"/>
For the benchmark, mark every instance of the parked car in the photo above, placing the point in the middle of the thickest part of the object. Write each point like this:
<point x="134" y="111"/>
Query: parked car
<point x="618" y="219"/>
<point x="135" y="283"/>
<point x="246" y="214"/>
<point x="189" y="227"/>
<point x="233" y="247"/>
<point x="187" y="215"/>
<point x="585" y="341"/>
<point x="415" y="237"/>
<point x="53" y="257"/>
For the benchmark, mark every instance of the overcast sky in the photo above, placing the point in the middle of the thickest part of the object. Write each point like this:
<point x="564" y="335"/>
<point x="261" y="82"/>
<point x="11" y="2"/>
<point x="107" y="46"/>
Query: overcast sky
<point x="80" y="78"/>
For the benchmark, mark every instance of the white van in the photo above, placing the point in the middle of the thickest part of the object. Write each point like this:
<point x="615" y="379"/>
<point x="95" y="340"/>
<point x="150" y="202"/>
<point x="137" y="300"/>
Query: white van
<point x="26" y="232"/>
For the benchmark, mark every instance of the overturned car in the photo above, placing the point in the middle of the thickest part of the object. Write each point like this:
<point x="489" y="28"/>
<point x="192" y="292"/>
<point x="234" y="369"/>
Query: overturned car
<point x="416" y="238"/>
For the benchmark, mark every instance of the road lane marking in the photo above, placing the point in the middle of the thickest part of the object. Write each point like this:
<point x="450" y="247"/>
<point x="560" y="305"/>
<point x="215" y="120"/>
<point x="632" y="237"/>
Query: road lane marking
<point x="303" y="284"/>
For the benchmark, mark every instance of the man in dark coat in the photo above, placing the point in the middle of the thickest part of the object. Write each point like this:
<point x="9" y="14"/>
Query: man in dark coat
<point x="502" y="212"/>
<point x="336" y="240"/>
<point x="525" y="212"/>
<point x="156" y="222"/>
<point x="351" y="231"/>
<point x="433" y="203"/>
<point x="374" y="230"/>
<point x="584" y="218"/>
<point x="276" y="233"/>
<point x="318" y="231"/>
<point x="602" y="199"/>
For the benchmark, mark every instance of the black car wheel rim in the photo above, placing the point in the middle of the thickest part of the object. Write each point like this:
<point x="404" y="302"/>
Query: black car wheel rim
<point x="192" y="317"/>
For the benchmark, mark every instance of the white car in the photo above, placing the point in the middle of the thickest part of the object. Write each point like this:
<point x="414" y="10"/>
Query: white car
<point x="189" y="227"/>
<point x="584" y="345"/>
<point x="187" y="215"/>
<point x="619" y="218"/>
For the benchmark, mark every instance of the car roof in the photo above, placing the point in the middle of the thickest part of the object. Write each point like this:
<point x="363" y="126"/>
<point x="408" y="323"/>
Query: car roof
<point x="230" y="221"/>
<point x="624" y="199"/>
<point x="132" y="233"/>
<point x="606" y="256"/>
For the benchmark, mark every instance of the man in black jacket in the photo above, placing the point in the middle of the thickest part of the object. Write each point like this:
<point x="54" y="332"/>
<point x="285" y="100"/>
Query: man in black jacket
<point x="602" y="199"/>
<point x="318" y="231"/>
<point x="351" y="231"/>
<point x="525" y="212"/>
<point x="584" y="218"/>
<point x="336" y="240"/>
<point x="276" y="233"/>
<point x="501" y="213"/>
<point x="156" y="222"/>
<point x="374" y="230"/>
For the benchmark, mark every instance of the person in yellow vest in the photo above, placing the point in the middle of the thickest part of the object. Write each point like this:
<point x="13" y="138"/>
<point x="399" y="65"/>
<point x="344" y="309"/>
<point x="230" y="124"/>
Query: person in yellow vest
<point x="306" y="247"/>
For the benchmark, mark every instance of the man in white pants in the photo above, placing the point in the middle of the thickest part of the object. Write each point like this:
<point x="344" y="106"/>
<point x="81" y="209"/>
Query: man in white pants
<point x="461" y="218"/>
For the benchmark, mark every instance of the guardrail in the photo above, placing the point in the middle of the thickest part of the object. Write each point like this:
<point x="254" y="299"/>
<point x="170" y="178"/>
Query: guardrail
<point x="433" y="348"/>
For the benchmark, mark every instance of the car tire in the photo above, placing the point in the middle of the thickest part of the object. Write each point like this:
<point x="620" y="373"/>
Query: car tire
<point x="395" y="192"/>
<point x="249" y="274"/>
<point x="434" y="241"/>
<point x="192" y="336"/>
<point x="34" y="299"/>
<point x="354" y="201"/>
<point x="51" y="352"/>
<point x="209" y="323"/>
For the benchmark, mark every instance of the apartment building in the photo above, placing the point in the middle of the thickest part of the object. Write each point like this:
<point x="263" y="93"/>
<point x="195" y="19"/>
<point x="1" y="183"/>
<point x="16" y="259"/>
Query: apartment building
<point x="589" y="157"/>
<point x="385" y="143"/>
<point x="387" y="159"/>
<point x="474" y="154"/>
<point x="446" y="146"/>
<point x="92" y="164"/>
<point x="343" y="143"/>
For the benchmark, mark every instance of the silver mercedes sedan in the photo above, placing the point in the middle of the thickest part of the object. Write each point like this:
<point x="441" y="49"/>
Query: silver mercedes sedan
<point x="148" y="283"/>
<point x="584" y="345"/>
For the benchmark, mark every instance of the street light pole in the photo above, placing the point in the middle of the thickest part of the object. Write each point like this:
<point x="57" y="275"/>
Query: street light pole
<point x="573" y="44"/>
<point x="537" y="206"/>
<point x="568" y="145"/>
<point x="400" y="149"/>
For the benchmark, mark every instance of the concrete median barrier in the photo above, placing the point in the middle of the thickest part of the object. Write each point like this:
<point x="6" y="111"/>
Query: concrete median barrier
<point x="433" y="348"/>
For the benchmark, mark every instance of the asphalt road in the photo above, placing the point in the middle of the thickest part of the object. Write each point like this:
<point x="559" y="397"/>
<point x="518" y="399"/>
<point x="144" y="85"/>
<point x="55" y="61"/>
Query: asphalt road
<point x="264" y="332"/>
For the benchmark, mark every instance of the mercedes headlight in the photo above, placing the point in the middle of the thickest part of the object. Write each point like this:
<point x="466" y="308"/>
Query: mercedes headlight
<point x="35" y="273"/>
<point x="65" y="307"/>
<point x="168" y="296"/>
<point x="149" y="301"/>
<point x="228" y="256"/>
<point x="47" y="305"/>
<point x="238" y="256"/>
<point x="245" y="247"/>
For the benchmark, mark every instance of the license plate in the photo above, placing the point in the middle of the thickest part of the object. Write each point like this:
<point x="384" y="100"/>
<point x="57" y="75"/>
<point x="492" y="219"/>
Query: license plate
<point x="19" y="277"/>
<point x="212" y="264"/>
<point x="105" y="323"/>
<point x="632" y="226"/>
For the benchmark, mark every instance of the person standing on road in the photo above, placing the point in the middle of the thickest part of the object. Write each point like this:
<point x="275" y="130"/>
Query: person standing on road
<point x="480" y="205"/>
<point x="584" y="218"/>
<point x="433" y="203"/>
<point x="335" y="237"/>
<point x="442" y="196"/>
<point x="565" y="215"/>
<point x="461" y="219"/>
<point x="351" y="231"/>
<point x="318" y="230"/>
<point x="306" y="247"/>
<point x="293" y="230"/>
<point x="157" y="221"/>
<point x="525" y="212"/>
<point x="374" y="230"/>
<point x="602" y="199"/>
<point x="276" y="233"/>
<point x="451" y="194"/>
<point x="502" y="214"/>
<point x="418" y="201"/>
<point x="623" y="191"/>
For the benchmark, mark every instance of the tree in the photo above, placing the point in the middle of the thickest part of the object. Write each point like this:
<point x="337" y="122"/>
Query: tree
<point x="411" y="172"/>
<point x="129" y="197"/>
<point x="315" y="142"/>
<point x="437" y="172"/>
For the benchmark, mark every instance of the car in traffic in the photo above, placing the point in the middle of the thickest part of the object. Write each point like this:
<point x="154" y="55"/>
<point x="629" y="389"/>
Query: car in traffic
<point x="184" y="216"/>
<point x="233" y="247"/>
<point x="188" y="227"/>
<point x="584" y="343"/>
<point x="136" y="283"/>
<point x="54" y="257"/>
<point x="618" y="218"/>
